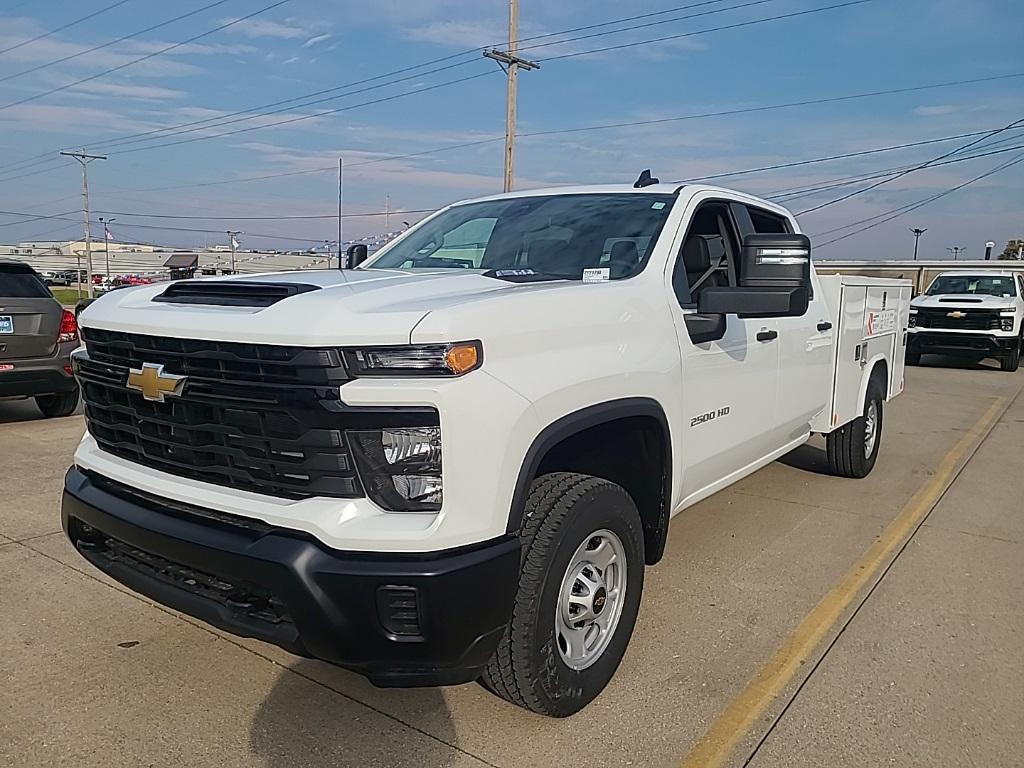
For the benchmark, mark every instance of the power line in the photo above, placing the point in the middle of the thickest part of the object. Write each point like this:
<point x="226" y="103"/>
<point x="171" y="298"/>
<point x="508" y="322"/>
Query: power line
<point x="608" y="126"/>
<point x="897" y="212"/>
<point x="910" y="170"/>
<point x="705" y="31"/>
<point x="144" y="58"/>
<point x="70" y="24"/>
<point x="433" y="62"/>
<point x="112" y="42"/>
<point x="262" y="218"/>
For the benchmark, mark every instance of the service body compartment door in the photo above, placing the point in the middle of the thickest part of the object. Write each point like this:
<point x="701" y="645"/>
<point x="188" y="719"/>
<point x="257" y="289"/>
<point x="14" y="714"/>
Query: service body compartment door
<point x="904" y="294"/>
<point x="853" y="301"/>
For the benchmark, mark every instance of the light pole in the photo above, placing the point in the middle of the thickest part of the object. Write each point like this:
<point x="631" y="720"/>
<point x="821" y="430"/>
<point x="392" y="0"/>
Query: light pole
<point x="106" y="242"/>
<point x="956" y="250"/>
<point x="234" y="244"/>
<point x="917" y="237"/>
<point x="341" y="196"/>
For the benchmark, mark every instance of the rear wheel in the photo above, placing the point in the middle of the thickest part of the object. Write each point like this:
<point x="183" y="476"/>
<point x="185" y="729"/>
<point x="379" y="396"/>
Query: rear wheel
<point x="853" y="448"/>
<point x="1011" y="361"/>
<point x="581" y="576"/>
<point x="62" y="404"/>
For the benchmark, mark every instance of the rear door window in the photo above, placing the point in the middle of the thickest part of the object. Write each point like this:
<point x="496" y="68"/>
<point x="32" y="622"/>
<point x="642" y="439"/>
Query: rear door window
<point x="766" y="223"/>
<point x="19" y="284"/>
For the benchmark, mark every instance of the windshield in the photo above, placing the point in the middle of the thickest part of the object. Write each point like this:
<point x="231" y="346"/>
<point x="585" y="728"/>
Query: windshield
<point x="554" y="236"/>
<point x="981" y="285"/>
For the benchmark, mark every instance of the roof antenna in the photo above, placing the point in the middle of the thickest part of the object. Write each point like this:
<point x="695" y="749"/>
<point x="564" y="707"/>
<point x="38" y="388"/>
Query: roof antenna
<point x="645" y="180"/>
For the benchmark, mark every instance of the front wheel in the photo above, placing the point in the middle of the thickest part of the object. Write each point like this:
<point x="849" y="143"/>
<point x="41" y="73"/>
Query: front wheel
<point x="581" y="575"/>
<point x="63" y="404"/>
<point x="853" y="448"/>
<point x="1010" y="362"/>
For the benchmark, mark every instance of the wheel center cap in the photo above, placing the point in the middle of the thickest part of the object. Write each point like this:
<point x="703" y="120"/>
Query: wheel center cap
<point x="600" y="598"/>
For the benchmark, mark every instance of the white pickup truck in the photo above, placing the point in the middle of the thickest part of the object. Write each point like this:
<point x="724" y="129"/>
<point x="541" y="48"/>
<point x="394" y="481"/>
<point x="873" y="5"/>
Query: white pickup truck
<point x="454" y="461"/>
<point x="970" y="314"/>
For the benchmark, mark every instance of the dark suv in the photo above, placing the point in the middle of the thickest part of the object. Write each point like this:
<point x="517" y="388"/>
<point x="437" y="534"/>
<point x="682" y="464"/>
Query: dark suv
<point x="37" y="336"/>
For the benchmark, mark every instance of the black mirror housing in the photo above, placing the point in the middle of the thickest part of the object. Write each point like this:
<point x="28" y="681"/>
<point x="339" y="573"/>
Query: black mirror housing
<point x="776" y="261"/>
<point x="354" y="256"/>
<point x="754" y="302"/>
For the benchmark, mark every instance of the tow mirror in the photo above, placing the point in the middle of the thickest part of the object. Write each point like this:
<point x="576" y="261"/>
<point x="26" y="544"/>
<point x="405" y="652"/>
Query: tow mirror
<point x="776" y="261"/>
<point x="355" y="255"/>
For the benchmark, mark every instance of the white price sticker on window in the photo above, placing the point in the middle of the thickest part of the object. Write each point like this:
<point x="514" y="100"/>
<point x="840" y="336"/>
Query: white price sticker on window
<point x="596" y="275"/>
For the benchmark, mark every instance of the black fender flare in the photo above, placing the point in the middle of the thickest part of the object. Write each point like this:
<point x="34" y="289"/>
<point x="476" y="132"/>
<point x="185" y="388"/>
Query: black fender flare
<point x="573" y="423"/>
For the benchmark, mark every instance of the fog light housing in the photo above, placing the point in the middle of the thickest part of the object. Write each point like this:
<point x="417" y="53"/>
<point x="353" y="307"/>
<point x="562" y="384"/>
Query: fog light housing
<point x="400" y="467"/>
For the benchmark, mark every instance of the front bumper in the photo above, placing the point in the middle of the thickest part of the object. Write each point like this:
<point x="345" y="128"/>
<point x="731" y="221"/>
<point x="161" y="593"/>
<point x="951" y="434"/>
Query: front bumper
<point x="941" y="343"/>
<point x="414" y="620"/>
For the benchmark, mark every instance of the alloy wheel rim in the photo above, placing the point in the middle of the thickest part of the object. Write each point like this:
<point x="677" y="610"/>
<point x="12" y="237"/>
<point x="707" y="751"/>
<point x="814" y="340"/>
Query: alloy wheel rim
<point x="870" y="429"/>
<point x="590" y="599"/>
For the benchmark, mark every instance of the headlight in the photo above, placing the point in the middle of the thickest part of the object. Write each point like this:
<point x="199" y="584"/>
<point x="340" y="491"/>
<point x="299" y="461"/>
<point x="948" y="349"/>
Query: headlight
<point x="1007" y="323"/>
<point x="416" y="360"/>
<point x="400" y="467"/>
<point x="913" y="319"/>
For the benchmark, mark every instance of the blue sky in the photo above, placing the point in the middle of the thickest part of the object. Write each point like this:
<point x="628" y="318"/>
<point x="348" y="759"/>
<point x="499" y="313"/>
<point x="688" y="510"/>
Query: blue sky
<point x="305" y="46"/>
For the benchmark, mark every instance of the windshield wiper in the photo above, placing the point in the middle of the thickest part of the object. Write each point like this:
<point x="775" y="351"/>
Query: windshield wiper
<point x="525" y="275"/>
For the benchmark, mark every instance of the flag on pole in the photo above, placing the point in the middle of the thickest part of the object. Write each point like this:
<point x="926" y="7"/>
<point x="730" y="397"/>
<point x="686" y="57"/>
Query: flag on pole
<point x="234" y="242"/>
<point x="107" y="233"/>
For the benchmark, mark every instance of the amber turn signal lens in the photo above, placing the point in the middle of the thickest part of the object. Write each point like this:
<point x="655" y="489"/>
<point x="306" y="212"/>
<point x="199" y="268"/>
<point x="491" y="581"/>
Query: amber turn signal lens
<point x="462" y="358"/>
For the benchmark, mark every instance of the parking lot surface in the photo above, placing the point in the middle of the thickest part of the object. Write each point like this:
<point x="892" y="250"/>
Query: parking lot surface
<point x="797" y="620"/>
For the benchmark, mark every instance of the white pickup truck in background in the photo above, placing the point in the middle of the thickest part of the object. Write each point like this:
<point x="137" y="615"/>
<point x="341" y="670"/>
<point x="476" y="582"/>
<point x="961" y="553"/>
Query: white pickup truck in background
<point x="454" y="461"/>
<point x="971" y="315"/>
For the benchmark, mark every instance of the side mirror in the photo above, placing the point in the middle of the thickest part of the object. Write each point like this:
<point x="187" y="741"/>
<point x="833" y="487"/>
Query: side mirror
<point x="753" y="302"/>
<point x="355" y="255"/>
<point x="776" y="261"/>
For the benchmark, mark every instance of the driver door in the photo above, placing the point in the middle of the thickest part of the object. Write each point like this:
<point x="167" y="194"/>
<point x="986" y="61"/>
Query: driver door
<point x="730" y="383"/>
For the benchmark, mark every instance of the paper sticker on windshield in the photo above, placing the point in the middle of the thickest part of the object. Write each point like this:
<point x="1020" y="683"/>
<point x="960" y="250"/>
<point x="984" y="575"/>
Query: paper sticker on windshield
<point x="597" y="275"/>
<point x="657" y="206"/>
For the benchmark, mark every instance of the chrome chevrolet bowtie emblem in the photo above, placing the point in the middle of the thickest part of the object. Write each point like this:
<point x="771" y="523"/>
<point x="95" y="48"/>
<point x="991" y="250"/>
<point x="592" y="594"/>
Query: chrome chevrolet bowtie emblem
<point x="957" y="314"/>
<point x="153" y="383"/>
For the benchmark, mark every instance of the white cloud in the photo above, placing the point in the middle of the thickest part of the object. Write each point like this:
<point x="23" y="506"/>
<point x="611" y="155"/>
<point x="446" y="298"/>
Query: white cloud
<point x="265" y="28"/>
<point x="291" y="60"/>
<point x="126" y="91"/>
<point x="936" y="110"/>
<point x="317" y="39"/>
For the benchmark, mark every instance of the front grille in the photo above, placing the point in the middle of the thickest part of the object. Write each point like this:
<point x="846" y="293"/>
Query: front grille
<point x="972" y="320"/>
<point x="256" y="417"/>
<point x="240" y="597"/>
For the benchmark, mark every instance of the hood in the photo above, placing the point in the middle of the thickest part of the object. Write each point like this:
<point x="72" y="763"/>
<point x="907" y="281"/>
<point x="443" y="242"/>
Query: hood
<point x="327" y="307"/>
<point x="962" y="301"/>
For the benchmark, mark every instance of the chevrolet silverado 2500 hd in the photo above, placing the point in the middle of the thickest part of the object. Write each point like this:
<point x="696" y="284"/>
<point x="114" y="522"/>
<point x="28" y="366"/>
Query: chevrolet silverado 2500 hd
<point x="455" y="461"/>
<point x="970" y="315"/>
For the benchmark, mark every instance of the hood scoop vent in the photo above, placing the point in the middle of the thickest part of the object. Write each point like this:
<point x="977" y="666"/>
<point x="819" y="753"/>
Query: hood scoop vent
<point x="961" y="301"/>
<point x="231" y="293"/>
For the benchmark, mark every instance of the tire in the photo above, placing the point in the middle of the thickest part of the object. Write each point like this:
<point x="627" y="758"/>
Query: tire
<point x="850" y="452"/>
<point x="63" y="404"/>
<point x="913" y="357"/>
<point x="533" y="667"/>
<point x="1011" y="361"/>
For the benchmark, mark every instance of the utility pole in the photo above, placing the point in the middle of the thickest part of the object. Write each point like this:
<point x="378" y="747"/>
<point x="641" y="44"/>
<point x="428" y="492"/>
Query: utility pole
<point x="511" y="63"/>
<point x="917" y="236"/>
<point x="106" y="241"/>
<point x="387" y="213"/>
<point x="956" y="250"/>
<point x="341" y="195"/>
<point x="84" y="159"/>
<point x="234" y="244"/>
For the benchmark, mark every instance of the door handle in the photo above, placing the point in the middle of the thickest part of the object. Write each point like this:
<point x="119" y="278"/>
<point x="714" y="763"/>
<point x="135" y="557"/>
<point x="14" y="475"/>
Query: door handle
<point x="824" y="326"/>
<point x="767" y="335"/>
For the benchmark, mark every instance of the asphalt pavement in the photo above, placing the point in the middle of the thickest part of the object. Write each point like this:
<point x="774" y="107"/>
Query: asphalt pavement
<point x="797" y="619"/>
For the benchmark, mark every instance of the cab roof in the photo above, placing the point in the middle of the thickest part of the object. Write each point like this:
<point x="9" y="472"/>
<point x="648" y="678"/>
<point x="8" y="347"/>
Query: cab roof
<point x="976" y="273"/>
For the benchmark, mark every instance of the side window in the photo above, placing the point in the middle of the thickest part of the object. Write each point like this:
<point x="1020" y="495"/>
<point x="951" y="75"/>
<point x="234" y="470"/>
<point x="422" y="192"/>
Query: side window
<point x="709" y="254"/>
<point x="766" y="223"/>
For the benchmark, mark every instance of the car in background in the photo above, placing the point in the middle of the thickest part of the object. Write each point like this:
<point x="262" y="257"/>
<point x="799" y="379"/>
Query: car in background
<point x="37" y="336"/>
<point x="969" y="314"/>
<point x="55" y="278"/>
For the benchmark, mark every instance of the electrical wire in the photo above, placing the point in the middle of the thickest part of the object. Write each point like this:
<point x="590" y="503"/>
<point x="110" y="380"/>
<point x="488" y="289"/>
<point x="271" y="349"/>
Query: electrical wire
<point x="154" y="54"/>
<point x="902" y="210"/>
<point x="70" y="24"/>
<point x="112" y="42"/>
<point x="870" y="187"/>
